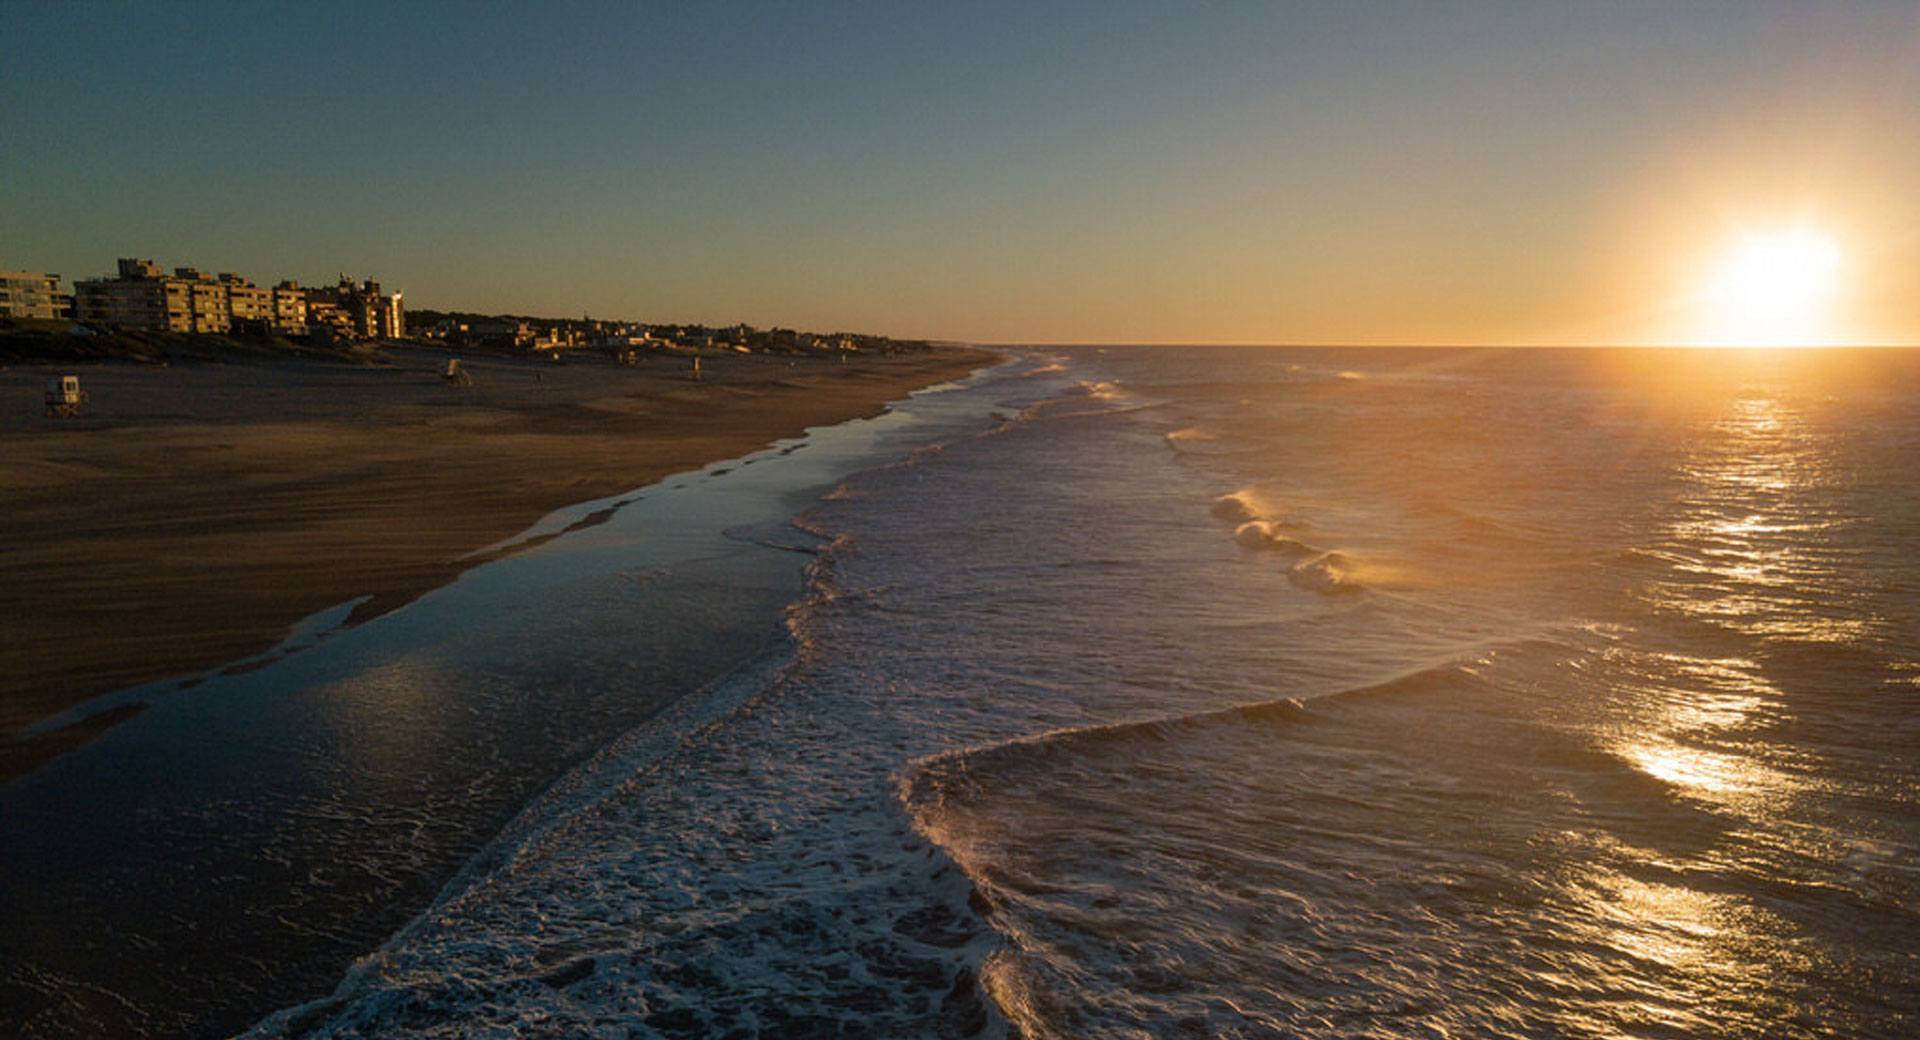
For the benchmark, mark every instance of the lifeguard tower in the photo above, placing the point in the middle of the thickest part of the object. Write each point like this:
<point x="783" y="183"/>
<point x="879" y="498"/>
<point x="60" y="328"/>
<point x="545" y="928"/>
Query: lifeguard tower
<point x="64" y="397"/>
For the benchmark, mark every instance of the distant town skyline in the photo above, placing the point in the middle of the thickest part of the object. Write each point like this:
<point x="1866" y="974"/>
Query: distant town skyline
<point x="1460" y="173"/>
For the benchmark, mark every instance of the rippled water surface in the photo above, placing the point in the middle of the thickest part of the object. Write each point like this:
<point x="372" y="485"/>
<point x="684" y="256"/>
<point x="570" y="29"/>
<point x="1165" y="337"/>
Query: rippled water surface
<point x="1262" y="692"/>
<point x="1274" y="692"/>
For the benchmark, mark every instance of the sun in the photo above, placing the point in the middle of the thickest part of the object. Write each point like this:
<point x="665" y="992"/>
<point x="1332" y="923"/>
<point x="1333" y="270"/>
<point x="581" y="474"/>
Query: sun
<point x="1772" y="289"/>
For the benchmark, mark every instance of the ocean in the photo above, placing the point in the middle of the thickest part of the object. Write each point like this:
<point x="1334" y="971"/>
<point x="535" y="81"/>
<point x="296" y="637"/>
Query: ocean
<point x="1213" y="692"/>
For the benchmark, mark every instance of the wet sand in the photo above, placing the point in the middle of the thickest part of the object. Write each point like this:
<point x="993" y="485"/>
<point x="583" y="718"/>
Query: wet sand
<point x="198" y="511"/>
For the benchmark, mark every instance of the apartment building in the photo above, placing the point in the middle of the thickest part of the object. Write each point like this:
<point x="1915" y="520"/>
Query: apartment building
<point x="33" y="294"/>
<point x="208" y="305"/>
<point x="141" y="297"/>
<point x="145" y="296"/>
<point x="361" y="311"/>
<point x="249" y="307"/>
<point x="289" y="309"/>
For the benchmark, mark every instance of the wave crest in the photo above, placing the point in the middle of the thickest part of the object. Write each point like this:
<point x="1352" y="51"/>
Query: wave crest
<point x="1267" y="534"/>
<point x="1247" y="504"/>
<point x="1329" y="572"/>
<point x="1103" y="389"/>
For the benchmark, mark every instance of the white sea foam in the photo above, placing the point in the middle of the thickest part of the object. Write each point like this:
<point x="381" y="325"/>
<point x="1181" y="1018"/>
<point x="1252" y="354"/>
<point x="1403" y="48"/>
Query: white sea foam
<point x="1328" y="572"/>
<point x="1117" y="821"/>
<point x="1237" y="507"/>
<point x="1104" y="390"/>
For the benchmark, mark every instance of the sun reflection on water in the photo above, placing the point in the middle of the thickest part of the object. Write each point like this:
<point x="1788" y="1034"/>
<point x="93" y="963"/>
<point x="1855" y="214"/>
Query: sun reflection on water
<point x="1748" y="546"/>
<point x="1744" y="554"/>
<point x="1667" y="924"/>
<point x="1693" y="768"/>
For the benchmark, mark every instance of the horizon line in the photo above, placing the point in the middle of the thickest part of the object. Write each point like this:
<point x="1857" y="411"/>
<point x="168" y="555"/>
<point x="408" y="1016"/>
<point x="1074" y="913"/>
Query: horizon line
<point x="1427" y="346"/>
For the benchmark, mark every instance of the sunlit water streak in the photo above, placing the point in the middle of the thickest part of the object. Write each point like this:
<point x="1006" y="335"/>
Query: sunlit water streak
<point x="1607" y="725"/>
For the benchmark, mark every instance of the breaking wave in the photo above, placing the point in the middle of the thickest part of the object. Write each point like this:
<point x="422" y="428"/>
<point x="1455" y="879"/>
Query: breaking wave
<point x="1328" y="572"/>
<point x="1267" y="534"/>
<point x="1255" y="515"/>
<point x="997" y="793"/>
<point x="950" y="797"/>
<point x="925" y="784"/>
<point x="1104" y="390"/>
<point x="1247" y="504"/>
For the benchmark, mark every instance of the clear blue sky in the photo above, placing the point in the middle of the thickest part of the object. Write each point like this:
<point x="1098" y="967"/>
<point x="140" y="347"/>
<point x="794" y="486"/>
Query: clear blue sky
<point x="1167" y="172"/>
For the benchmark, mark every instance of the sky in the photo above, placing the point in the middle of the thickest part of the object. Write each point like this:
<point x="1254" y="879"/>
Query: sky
<point x="1504" y="173"/>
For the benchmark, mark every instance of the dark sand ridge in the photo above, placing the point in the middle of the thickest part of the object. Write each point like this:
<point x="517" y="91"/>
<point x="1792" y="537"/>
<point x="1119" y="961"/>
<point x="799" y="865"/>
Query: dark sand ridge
<point x="200" y="510"/>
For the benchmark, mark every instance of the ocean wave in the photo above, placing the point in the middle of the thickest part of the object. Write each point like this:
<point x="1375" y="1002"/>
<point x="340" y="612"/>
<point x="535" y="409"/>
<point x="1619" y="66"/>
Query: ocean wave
<point x="1267" y="534"/>
<point x="1086" y="398"/>
<point x="1247" y="504"/>
<point x="736" y="866"/>
<point x="713" y="873"/>
<point x="1460" y="522"/>
<point x="1192" y="435"/>
<point x="915" y="777"/>
<point x="1259" y="524"/>
<point x="925" y="786"/>
<point x="1103" y="390"/>
<point x="932" y="789"/>
<point x="1329" y="572"/>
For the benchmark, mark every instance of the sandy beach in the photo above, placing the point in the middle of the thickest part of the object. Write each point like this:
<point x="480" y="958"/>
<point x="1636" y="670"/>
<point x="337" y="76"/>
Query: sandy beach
<point x="198" y="511"/>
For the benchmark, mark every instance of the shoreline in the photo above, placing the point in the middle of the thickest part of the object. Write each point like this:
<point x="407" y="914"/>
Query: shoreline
<point x="202" y="512"/>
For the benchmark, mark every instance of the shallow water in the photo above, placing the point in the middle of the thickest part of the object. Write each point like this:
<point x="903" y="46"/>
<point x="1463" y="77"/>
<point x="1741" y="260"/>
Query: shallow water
<point x="1273" y="692"/>
<point x="234" y="846"/>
